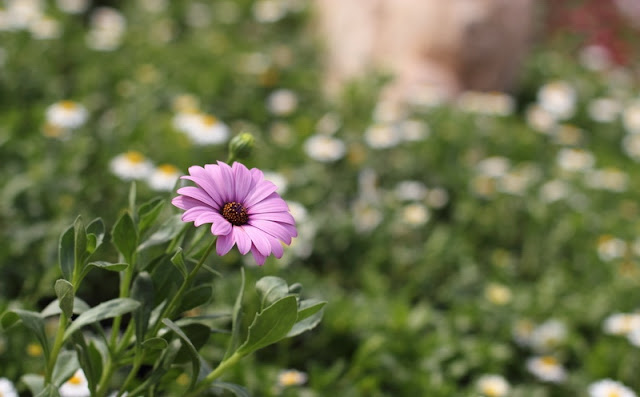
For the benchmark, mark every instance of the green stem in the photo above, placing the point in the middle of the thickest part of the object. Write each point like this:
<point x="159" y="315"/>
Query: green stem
<point x="167" y="312"/>
<point x="106" y="375"/>
<point x="57" y="345"/>
<point x="137" y="362"/>
<point x="125" y="285"/>
<point x="215" y="374"/>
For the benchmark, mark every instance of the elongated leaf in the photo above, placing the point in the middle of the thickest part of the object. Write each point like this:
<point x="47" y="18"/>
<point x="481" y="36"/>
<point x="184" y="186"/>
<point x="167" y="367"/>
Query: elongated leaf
<point x="155" y="343"/>
<point x="66" y="253"/>
<point x="125" y="236"/>
<point x="113" y="267"/>
<point x="109" y="309"/>
<point x="271" y="325"/>
<point x="271" y="289"/>
<point x="238" y="390"/>
<point x="236" y="318"/>
<point x="148" y="213"/>
<point x="64" y="292"/>
<point x="196" y="297"/>
<point x="80" y="242"/>
<point x="195" y="357"/>
<point x="49" y="391"/>
<point x="32" y="320"/>
<point x="178" y="260"/>
<point x="53" y="308"/>
<point x="166" y="232"/>
<point x="142" y="291"/>
<point x="66" y="364"/>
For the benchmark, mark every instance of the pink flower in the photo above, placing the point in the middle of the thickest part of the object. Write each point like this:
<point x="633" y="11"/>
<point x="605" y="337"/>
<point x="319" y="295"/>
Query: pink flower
<point x="242" y="207"/>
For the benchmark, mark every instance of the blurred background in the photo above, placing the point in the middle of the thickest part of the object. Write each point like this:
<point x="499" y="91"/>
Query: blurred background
<point x="464" y="175"/>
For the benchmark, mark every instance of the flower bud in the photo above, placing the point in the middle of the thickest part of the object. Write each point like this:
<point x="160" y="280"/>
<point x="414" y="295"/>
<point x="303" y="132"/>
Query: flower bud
<point x="241" y="145"/>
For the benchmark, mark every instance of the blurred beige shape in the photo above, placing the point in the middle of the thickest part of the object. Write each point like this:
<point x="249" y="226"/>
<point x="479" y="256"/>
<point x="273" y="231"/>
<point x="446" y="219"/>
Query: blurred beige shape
<point x="429" y="46"/>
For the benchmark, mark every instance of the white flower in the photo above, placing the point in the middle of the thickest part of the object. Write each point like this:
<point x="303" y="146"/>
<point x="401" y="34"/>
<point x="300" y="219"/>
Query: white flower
<point x="610" y="248"/>
<point x="595" y="57"/>
<point x="45" y="28"/>
<point x="76" y="386"/>
<point x="413" y="130"/>
<point x="66" y="115"/>
<point x="131" y="165"/>
<point x="186" y="120"/>
<point x="381" y="136"/>
<point x="72" y="6"/>
<point x="631" y="146"/>
<point x="609" y="388"/>
<point x="22" y="13"/>
<point x="634" y="337"/>
<point x="437" y="197"/>
<point x="107" y="27"/>
<point x="611" y="179"/>
<point x="324" y="148"/>
<point x="575" y="159"/>
<point x="540" y="119"/>
<point x="621" y="323"/>
<point x="282" y="102"/>
<point x="415" y="214"/>
<point x="547" y="369"/>
<point x="558" y="98"/>
<point x="410" y="191"/>
<point x="522" y="331"/>
<point x="198" y="15"/>
<point x="493" y="385"/>
<point x="291" y="377"/>
<point x="164" y="178"/>
<point x="631" y="118"/>
<point x="548" y="335"/>
<point x="604" y="110"/>
<point x="366" y="216"/>
<point x="205" y="129"/>
<point x="7" y="389"/>
<point x="494" y="167"/>
<point x="268" y="11"/>
<point x="328" y="124"/>
<point x="554" y="190"/>
<point x="498" y="294"/>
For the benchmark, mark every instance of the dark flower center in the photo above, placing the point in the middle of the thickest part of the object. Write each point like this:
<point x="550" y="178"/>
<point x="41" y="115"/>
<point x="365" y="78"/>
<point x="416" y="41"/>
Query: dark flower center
<point x="235" y="213"/>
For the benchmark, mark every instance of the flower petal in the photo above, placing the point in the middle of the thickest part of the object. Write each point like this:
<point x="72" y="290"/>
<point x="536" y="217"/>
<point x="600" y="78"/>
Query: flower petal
<point x="273" y="203"/>
<point x="261" y="191"/>
<point x="198" y="194"/>
<point x="203" y="178"/>
<point x="194" y="212"/>
<point x="258" y="256"/>
<point x="281" y="231"/>
<point x="228" y="183"/>
<point x="259" y="239"/>
<point x="244" y="182"/>
<point x="276" y="247"/>
<point x="282" y="217"/>
<point x="242" y="239"/>
<point x="224" y="244"/>
<point x="221" y="228"/>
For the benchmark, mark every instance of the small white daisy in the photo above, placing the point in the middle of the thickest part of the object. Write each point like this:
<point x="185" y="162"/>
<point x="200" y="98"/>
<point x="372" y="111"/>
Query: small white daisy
<point x="206" y="129"/>
<point x="365" y="215"/>
<point x="410" y="191"/>
<point x="164" y="177"/>
<point x="604" y="110"/>
<point x="574" y="160"/>
<point x="45" y="28"/>
<point x="493" y="385"/>
<point x="547" y="369"/>
<point x="282" y="102"/>
<point x="548" y="335"/>
<point x="610" y="247"/>
<point x="7" y="389"/>
<point x="634" y="337"/>
<point x="498" y="294"/>
<point x="291" y="377"/>
<point x="558" y="98"/>
<point x="413" y="130"/>
<point x="328" y="124"/>
<point x="611" y="179"/>
<point x="631" y="146"/>
<point x="66" y="115"/>
<point x="522" y="331"/>
<point x="554" y="190"/>
<point x="621" y="323"/>
<point x="609" y="388"/>
<point x="72" y="6"/>
<point x="107" y="26"/>
<point x="269" y="11"/>
<point x="437" y="197"/>
<point x="494" y="167"/>
<point x="131" y="165"/>
<point x="540" y="119"/>
<point x="631" y="118"/>
<point x="415" y="215"/>
<point x="382" y="136"/>
<point x="324" y="148"/>
<point x="76" y="386"/>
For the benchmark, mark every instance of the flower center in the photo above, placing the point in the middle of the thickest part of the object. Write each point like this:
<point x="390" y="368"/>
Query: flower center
<point x="134" y="157"/>
<point x="548" y="360"/>
<point x="209" y="120"/>
<point x="235" y="213"/>
<point x="75" y="380"/>
<point x="167" y="169"/>
<point x="68" y="105"/>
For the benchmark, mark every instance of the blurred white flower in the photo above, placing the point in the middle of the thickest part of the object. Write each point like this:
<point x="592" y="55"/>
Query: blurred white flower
<point x="301" y="246"/>
<point x="547" y="369"/>
<point x="437" y="197"/>
<point x="76" y="386"/>
<point x="558" y="98"/>
<point x="324" y="148"/>
<point x="7" y="389"/>
<point x="621" y="323"/>
<point x="269" y="11"/>
<point x="548" y="335"/>
<point x="522" y="331"/>
<point x="486" y="103"/>
<point x="164" y="178"/>
<point x="604" y="110"/>
<point x="198" y="15"/>
<point x="131" y="165"/>
<point x="366" y="216"/>
<point x="631" y="118"/>
<point x="382" y="136"/>
<point x="611" y="179"/>
<point x="388" y="111"/>
<point x="328" y="124"/>
<point x="634" y="337"/>
<point x="567" y="134"/>
<point x="410" y="191"/>
<point x="540" y="119"/>
<point x="493" y="385"/>
<point x="291" y="377"/>
<point x="107" y="26"/>
<point x="609" y="388"/>
<point x="554" y="190"/>
<point x="205" y="129"/>
<point x="610" y="248"/>
<point x="66" y="115"/>
<point x="415" y="214"/>
<point x="498" y="294"/>
<point x="574" y="160"/>
<point x="413" y="130"/>
<point x="20" y="14"/>
<point x="282" y="102"/>
<point x="494" y="167"/>
<point x="631" y="146"/>
<point x="45" y="28"/>
<point x="517" y="181"/>
<point x="72" y="6"/>
<point x="595" y="57"/>
<point x="154" y="6"/>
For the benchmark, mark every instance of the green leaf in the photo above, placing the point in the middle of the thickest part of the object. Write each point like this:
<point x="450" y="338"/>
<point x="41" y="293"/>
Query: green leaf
<point x="161" y="367"/>
<point x="64" y="292"/>
<point x="155" y="343"/>
<point x="95" y="234"/>
<point x="148" y="213"/>
<point x="66" y="253"/>
<point x="271" y="325"/>
<point x="142" y="291"/>
<point x="90" y="359"/>
<point x="196" y="297"/>
<point x="80" y="242"/>
<point x="108" y="309"/>
<point x="49" y="391"/>
<point x="66" y="364"/>
<point x="53" y="308"/>
<point x="178" y="260"/>
<point x="236" y="318"/>
<point x="195" y="357"/>
<point x="32" y="320"/>
<point x="35" y="383"/>
<point x="112" y="267"/>
<point x="125" y="237"/>
<point x="310" y="314"/>
<point x="271" y="289"/>
<point x="198" y="334"/>
<point x="166" y="232"/>
<point x="237" y="390"/>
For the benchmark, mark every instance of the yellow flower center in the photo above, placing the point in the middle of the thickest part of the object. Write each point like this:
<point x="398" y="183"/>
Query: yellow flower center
<point x="167" y="169"/>
<point x="614" y="393"/>
<point x="34" y="350"/>
<point x="235" y="213"/>
<point x="548" y="360"/>
<point x="134" y="157"/>
<point x="68" y="105"/>
<point x="75" y="380"/>
<point x="492" y="391"/>
<point x="289" y="379"/>
<point x="209" y="120"/>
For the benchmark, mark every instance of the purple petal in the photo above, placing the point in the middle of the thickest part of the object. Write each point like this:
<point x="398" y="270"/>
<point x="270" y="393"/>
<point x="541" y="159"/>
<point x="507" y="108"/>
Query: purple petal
<point x="198" y="194"/>
<point x="202" y="177"/>
<point x="259" y="239"/>
<point x="282" y="217"/>
<point x="260" y="192"/>
<point x="281" y="231"/>
<point x="258" y="256"/>
<point x="208" y="217"/>
<point x="257" y="175"/>
<point x="273" y="203"/>
<point x="244" y="182"/>
<point x="276" y="247"/>
<point x="227" y="184"/>
<point x="224" y="244"/>
<point x="194" y="212"/>
<point x="221" y="228"/>
<point x="242" y="239"/>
